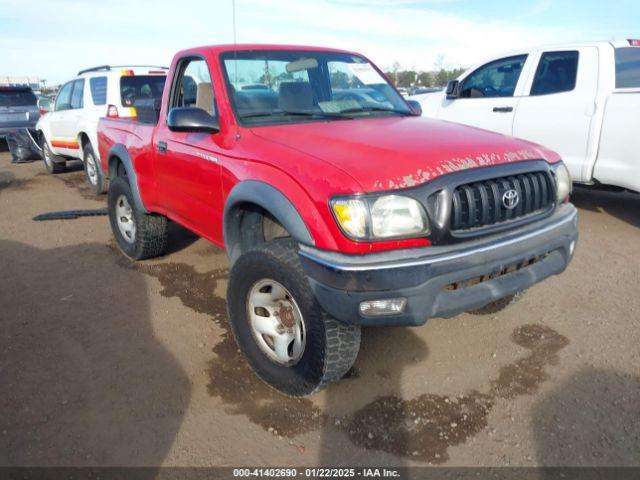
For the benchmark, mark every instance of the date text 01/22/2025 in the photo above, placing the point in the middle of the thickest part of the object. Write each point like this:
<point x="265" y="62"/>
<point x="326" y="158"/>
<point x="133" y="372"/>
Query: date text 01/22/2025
<point x="316" y="472"/>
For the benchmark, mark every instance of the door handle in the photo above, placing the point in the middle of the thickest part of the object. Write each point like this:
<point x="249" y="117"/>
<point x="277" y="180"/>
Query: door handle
<point x="503" y="109"/>
<point x="162" y="147"/>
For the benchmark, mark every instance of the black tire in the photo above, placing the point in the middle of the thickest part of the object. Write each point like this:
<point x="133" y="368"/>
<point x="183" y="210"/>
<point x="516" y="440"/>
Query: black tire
<point x="51" y="162"/>
<point x="97" y="182"/>
<point x="150" y="236"/>
<point x="331" y="347"/>
<point x="498" y="305"/>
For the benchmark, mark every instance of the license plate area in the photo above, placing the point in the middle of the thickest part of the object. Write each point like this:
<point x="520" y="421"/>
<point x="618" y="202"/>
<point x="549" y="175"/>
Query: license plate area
<point x="470" y="282"/>
<point x="15" y="116"/>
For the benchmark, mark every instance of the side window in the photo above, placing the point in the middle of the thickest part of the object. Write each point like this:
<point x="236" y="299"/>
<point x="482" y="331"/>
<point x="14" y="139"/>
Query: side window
<point x="628" y="67"/>
<point x="77" y="95"/>
<point x="63" y="100"/>
<point x="98" y="86"/>
<point x="557" y="72"/>
<point x="193" y="87"/>
<point x="495" y="79"/>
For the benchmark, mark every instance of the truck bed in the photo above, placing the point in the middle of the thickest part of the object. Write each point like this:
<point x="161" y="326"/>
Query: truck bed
<point x="137" y="138"/>
<point x="619" y="151"/>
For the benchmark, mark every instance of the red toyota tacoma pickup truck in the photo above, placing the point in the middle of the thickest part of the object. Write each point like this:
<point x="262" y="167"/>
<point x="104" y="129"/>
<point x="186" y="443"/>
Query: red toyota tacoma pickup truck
<point x="338" y="205"/>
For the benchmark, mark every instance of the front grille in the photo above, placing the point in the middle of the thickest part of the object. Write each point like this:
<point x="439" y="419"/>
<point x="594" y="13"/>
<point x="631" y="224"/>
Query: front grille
<point x="481" y="204"/>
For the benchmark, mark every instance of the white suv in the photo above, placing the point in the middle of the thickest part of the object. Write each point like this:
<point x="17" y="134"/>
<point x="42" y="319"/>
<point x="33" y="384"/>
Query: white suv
<point x="69" y="132"/>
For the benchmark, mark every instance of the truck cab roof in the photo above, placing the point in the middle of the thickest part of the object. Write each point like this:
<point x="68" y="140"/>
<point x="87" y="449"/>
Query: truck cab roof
<point x="216" y="49"/>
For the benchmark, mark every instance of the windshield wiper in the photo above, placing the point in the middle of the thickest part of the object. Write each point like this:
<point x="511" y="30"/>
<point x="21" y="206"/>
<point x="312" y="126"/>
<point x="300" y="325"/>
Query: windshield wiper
<point x="297" y="113"/>
<point x="375" y="109"/>
<point x="317" y="114"/>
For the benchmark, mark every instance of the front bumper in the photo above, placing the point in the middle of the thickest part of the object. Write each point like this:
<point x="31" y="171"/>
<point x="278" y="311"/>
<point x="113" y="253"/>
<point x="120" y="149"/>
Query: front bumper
<point x="442" y="281"/>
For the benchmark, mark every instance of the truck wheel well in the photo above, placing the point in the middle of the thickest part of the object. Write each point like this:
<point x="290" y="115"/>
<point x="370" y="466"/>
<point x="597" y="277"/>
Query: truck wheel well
<point x="119" y="164"/>
<point x="116" y="167"/>
<point x="253" y="205"/>
<point x="253" y="225"/>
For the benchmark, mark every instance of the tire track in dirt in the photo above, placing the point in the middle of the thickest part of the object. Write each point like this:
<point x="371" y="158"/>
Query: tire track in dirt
<point x="9" y="181"/>
<point x="76" y="180"/>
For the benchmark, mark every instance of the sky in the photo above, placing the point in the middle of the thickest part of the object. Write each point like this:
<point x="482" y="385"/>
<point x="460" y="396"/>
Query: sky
<point x="53" y="39"/>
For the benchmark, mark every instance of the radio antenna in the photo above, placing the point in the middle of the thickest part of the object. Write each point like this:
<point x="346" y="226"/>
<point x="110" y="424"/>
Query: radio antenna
<point x="235" y="42"/>
<point x="233" y="9"/>
<point x="235" y="57"/>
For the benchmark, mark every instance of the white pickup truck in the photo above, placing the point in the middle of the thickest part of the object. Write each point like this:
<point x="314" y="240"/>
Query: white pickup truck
<point x="581" y="100"/>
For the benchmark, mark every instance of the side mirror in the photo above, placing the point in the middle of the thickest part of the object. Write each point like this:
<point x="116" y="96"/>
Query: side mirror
<point x="416" y="108"/>
<point x="44" y="105"/>
<point x="191" y="119"/>
<point x="452" y="89"/>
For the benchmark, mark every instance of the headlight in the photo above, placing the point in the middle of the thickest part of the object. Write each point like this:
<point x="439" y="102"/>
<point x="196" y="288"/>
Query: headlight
<point x="396" y="216"/>
<point x="380" y="217"/>
<point x="352" y="216"/>
<point x="563" y="183"/>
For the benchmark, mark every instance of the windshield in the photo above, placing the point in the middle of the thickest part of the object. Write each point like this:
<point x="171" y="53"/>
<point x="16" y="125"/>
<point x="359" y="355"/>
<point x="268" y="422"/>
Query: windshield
<point x="17" y="98"/>
<point x="291" y="86"/>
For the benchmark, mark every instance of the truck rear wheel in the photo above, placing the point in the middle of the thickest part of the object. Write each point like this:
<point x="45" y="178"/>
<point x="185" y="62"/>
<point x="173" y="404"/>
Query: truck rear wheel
<point x="139" y="235"/>
<point x="498" y="305"/>
<point x="289" y="341"/>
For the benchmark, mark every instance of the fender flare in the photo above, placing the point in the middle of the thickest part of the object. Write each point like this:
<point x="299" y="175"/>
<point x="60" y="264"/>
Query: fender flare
<point x="270" y="199"/>
<point x="83" y="132"/>
<point x="119" y="153"/>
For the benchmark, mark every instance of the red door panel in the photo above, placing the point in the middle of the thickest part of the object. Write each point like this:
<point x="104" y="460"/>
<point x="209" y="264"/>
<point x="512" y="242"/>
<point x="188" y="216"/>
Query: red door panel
<point x="189" y="184"/>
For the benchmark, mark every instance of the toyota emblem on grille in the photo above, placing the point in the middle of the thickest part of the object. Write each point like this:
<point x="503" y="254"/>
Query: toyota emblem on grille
<point x="510" y="199"/>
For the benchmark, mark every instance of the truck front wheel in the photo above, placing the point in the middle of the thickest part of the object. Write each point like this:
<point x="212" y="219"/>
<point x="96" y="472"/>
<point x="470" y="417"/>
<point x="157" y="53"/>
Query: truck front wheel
<point x="289" y="341"/>
<point x="139" y="235"/>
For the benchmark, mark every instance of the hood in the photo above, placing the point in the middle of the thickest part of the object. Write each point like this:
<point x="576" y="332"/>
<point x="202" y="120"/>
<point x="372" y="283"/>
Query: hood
<point x="401" y="152"/>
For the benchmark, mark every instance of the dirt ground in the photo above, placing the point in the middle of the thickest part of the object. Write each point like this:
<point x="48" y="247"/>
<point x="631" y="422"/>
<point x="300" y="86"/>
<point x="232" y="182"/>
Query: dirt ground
<point x="104" y="362"/>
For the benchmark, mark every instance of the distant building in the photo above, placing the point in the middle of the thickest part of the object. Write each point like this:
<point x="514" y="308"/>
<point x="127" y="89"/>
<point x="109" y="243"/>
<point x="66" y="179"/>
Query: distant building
<point x="36" y="83"/>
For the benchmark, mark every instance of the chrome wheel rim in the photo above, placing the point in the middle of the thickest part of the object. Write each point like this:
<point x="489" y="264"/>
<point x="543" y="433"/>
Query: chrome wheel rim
<point x="124" y="219"/>
<point x="276" y="322"/>
<point x="90" y="166"/>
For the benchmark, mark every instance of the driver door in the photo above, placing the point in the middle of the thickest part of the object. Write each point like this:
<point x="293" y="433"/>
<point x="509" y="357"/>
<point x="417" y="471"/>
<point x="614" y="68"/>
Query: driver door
<point x="187" y="164"/>
<point x="489" y="95"/>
